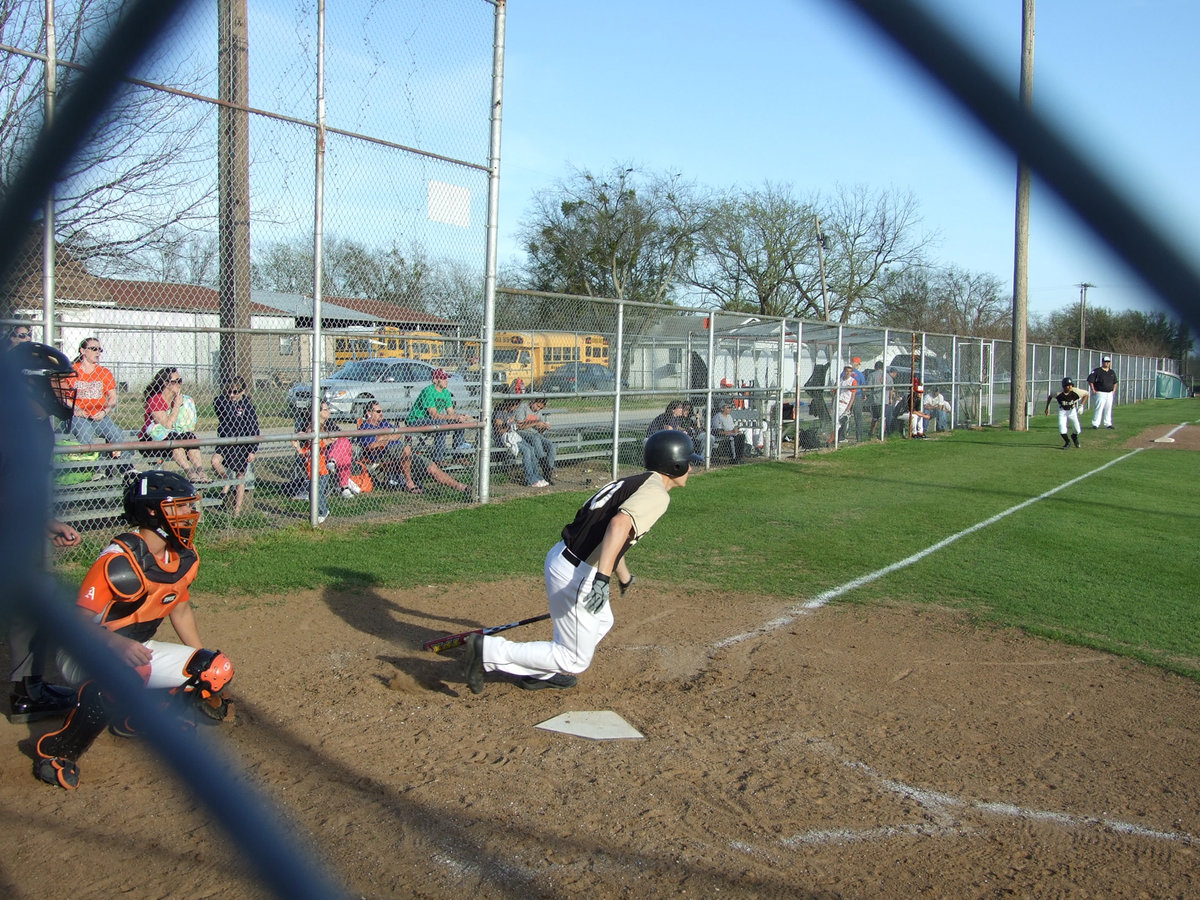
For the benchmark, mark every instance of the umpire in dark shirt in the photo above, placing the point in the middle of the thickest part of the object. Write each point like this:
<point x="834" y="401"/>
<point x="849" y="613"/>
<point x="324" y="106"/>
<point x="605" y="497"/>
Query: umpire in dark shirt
<point x="1103" y="382"/>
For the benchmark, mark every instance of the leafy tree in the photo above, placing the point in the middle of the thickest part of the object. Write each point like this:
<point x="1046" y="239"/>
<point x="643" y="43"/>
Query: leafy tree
<point x="1129" y="331"/>
<point x="624" y="235"/>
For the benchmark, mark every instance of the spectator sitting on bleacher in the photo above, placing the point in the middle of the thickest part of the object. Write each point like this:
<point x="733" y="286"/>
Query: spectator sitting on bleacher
<point x="394" y="457"/>
<point x="690" y="423"/>
<point x="236" y="417"/>
<point x="504" y="423"/>
<point x="19" y="334"/>
<point x="725" y="430"/>
<point x="435" y="406"/>
<point x="533" y="429"/>
<point x="95" y="400"/>
<point x="171" y="416"/>
<point x="303" y="449"/>
<point x="670" y="419"/>
<point x="939" y="409"/>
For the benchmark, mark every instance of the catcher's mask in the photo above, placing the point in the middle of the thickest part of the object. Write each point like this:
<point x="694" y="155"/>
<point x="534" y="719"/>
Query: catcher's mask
<point x="166" y="503"/>
<point x="48" y="375"/>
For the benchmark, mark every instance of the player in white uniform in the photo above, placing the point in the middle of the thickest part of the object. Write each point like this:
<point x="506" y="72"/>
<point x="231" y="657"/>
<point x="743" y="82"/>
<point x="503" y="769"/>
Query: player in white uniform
<point x="578" y="569"/>
<point x="1070" y="401"/>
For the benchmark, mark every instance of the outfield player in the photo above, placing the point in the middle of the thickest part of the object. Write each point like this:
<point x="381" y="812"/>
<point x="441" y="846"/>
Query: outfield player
<point x="578" y="570"/>
<point x="141" y="578"/>
<point x="1070" y="401"/>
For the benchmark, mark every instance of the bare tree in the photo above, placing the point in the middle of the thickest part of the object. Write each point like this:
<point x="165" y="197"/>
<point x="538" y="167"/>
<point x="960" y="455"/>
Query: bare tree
<point x="872" y="238"/>
<point x="949" y="300"/>
<point x="145" y="173"/>
<point x="757" y="252"/>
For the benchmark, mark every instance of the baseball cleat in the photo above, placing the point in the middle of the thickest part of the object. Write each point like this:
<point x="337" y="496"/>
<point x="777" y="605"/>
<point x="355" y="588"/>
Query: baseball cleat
<point x="473" y="663"/>
<point x="56" y="770"/>
<point x="557" y="680"/>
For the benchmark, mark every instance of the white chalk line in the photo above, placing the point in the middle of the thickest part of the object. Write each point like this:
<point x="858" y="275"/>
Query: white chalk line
<point x="945" y="809"/>
<point x="937" y="803"/>
<point x="827" y="597"/>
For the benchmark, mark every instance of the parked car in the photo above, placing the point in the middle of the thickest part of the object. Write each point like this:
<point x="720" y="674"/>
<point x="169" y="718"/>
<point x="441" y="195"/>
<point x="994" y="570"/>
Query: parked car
<point x="394" y="382"/>
<point x="576" y="377"/>
<point x="936" y="370"/>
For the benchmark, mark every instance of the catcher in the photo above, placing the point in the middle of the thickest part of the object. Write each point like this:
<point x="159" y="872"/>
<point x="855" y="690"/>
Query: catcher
<point x="1070" y="402"/>
<point x="139" y="579"/>
<point x="578" y="570"/>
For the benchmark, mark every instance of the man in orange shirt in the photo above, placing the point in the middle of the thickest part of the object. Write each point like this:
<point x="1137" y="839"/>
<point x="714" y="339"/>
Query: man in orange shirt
<point x="95" y="400"/>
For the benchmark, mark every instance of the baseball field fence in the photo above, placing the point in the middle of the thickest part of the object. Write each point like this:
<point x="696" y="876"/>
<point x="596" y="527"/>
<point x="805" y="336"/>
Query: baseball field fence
<point x="291" y="196"/>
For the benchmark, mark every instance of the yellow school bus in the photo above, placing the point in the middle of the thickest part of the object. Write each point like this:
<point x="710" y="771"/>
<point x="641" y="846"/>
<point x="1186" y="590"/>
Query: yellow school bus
<point x="389" y="341"/>
<point x="526" y="356"/>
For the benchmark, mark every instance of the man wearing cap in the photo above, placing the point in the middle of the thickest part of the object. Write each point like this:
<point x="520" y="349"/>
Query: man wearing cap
<point x="1103" y="385"/>
<point x="724" y="428"/>
<point x="435" y="406"/>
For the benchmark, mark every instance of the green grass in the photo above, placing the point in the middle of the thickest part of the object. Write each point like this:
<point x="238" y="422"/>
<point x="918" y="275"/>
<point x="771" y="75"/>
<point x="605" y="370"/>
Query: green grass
<point x="1109" y="562"/>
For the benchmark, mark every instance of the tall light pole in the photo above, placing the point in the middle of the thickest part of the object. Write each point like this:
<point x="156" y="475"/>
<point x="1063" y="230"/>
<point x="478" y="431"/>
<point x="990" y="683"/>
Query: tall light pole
<point x="1083" y="286"/>
<point x="821" y="239"/>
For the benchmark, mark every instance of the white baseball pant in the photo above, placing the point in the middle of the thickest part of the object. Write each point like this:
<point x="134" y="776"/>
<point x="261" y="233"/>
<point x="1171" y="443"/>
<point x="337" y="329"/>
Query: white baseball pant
<point x="1104" y="408"/>
<point x="576" y="631"/>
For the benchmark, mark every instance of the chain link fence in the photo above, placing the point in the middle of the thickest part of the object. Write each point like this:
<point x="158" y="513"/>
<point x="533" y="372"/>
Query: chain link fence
<point x="187" y="248"/>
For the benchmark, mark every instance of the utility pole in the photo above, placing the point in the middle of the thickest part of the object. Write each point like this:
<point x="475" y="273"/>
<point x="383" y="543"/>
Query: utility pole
<point x="1083" y="286"/>
<point x="233" y="176"/>
<point x="821" y="265"/>
<point x="1017" y="420"/>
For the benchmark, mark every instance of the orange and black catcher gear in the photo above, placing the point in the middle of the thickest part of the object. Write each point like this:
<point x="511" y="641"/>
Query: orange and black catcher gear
<point x="166" y="503"/>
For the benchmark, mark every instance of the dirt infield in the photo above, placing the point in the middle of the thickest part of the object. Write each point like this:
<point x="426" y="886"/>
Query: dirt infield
<point x="853" y="751"/>
<point x="1166" y="437"/>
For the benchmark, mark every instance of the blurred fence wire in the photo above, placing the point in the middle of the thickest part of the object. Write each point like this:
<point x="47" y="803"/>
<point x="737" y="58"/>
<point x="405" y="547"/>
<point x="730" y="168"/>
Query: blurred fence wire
<point x="187" y="226"/>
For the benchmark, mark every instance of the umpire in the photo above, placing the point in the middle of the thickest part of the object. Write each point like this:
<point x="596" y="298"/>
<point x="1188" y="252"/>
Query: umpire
<point x="1103" y="382"/>
<point x="578" y="570"/>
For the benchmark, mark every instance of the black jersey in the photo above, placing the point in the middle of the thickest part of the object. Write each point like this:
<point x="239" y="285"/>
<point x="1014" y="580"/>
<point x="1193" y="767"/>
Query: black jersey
<point x="1068" y="400"/>
<point x="643" y="497"/>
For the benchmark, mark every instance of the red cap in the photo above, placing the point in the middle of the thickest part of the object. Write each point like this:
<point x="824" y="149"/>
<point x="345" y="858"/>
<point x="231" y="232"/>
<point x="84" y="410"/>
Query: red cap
<point x="439" y="373"/>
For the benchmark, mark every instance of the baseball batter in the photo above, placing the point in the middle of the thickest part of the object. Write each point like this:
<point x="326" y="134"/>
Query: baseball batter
<point x="578" y="570"/>
<point x="1070" y="401"/>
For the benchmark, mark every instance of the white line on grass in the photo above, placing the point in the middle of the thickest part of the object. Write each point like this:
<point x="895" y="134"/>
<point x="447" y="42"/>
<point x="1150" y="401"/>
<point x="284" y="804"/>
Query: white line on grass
<point x="833" y="593"/>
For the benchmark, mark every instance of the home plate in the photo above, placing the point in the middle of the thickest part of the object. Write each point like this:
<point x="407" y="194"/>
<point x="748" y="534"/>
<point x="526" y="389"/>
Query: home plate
<point x="596" y="724"/>
<point x="1164" y="440"/>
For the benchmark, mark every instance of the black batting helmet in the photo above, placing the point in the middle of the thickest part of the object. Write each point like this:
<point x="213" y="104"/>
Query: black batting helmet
<point x="1067" y="382"/>
<point x="670" y="453"/>
<point x="164" y="502"/>
<point x="48" y="376"/>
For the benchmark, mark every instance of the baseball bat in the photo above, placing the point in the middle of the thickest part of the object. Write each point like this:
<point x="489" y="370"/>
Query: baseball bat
<point x="437" y="645"/>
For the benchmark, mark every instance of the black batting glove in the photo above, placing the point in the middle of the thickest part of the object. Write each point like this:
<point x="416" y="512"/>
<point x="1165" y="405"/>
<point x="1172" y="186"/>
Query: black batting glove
<point x="626" y="585"/>
<point x="598" y="595"/>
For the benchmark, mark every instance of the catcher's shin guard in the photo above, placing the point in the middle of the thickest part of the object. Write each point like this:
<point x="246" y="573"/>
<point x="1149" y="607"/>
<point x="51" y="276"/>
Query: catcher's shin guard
<point x="58" y="751"/>
<point x="208" y="671"/>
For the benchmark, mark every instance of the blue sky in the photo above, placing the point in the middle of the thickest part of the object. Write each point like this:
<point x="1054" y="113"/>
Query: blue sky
<point x="802" y="92"/>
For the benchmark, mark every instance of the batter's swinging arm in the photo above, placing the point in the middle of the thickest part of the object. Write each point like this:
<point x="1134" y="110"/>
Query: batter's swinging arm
<point x="437" y="645"/>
